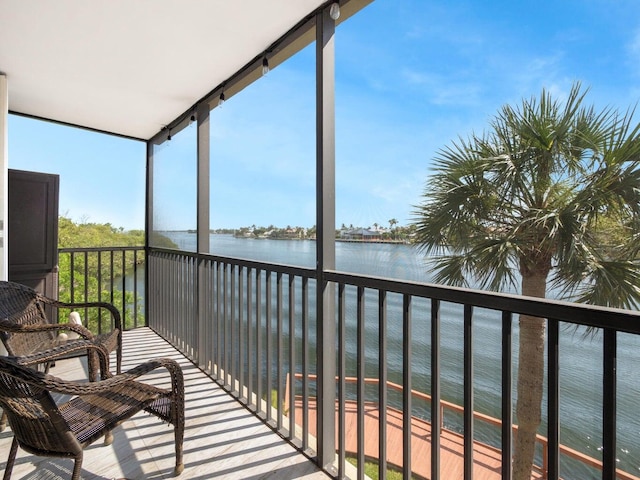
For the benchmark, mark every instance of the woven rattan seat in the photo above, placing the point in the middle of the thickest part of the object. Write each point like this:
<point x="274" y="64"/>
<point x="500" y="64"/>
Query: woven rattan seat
<point x="26" y="330"/>
<point x="43" y="428"/>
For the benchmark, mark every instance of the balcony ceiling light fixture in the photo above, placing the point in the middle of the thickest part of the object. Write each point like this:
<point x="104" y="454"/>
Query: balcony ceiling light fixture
<point x="221" y="99"/>
<point x="265" y="65"/>
<point x="334" y="11"/>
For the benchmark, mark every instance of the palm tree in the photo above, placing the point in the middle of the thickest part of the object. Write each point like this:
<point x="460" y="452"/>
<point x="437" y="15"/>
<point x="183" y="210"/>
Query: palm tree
<point x="392" y="223"/>
<point x="528" y="202"/>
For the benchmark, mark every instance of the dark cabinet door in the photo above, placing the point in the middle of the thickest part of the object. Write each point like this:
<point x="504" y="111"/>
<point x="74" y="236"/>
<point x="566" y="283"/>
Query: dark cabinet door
<point x="33" y="230"/>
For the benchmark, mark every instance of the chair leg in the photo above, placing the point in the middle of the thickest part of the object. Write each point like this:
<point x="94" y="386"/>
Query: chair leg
<point x="3" y="421"/>
<point x="11" y="460"/>
<point x="179" y="436"/>
<point x="108" y="438"/>
<point x="47" y="366"/>
<point x="179" y="468"/>
<point x="77" y="468"/>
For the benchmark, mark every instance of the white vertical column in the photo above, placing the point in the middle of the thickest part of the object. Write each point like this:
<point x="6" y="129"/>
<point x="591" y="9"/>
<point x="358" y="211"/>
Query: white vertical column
<point x="4" y="174"/>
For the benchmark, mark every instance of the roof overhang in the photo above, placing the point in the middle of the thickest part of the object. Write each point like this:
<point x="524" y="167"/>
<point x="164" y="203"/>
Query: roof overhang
<point x="132" y="67"/>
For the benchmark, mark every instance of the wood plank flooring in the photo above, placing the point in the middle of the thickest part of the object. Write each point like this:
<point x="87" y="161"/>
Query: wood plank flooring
<point x="223" y="440"/>
<point x="487" y="460"/>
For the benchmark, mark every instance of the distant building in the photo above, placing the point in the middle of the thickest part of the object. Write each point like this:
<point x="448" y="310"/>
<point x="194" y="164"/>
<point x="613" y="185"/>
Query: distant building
<point x="363" y="234"/>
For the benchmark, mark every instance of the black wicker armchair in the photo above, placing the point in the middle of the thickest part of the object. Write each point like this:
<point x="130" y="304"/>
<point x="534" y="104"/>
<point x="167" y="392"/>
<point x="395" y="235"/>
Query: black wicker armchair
<point x="26" y="330"/>
<point x="43" y="428"/>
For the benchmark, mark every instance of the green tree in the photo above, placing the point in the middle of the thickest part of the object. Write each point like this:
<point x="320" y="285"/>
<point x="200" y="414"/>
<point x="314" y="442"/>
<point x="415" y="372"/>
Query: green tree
<point x="76" y="235"/>
<point x="94" y="274"/>
<point x="392" y="223"/>
<point x="528" y="202"/>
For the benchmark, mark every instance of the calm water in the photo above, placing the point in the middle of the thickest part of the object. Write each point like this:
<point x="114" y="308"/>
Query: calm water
<point x="580" y="368"/>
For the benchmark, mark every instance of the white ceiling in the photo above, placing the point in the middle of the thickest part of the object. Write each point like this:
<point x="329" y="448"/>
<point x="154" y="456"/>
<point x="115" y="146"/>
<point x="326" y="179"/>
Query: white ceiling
<point x="131" y="66"/>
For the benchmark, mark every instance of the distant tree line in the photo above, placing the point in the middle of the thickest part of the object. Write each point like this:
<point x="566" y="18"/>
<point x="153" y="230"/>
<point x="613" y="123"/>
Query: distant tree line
<point x="394" y="232"/>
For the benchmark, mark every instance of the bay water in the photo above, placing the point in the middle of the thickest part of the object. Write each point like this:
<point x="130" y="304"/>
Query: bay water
<point x="580" y="353"/>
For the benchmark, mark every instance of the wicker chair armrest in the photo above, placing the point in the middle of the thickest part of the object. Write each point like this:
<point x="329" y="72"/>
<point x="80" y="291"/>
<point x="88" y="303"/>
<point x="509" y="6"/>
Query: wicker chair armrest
<point x="115" y="313"/>
<point x="74" y="327"/>
<point x="70" y="348"/>
<point x="69" y="387"/>
<point x="173" y="367"/>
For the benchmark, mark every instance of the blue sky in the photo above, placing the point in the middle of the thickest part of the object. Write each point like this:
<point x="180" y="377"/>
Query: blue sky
<point x="412" y="75"/>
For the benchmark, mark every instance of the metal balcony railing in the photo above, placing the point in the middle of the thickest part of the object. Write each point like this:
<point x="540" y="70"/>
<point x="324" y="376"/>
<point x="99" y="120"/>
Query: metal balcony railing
<point x="104" y="274"/>
<point x="250" y="325"/>
<point x="234" y="317"/>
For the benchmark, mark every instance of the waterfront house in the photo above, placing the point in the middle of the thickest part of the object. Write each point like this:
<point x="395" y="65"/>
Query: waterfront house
<point x="156" y="70"/>
<point x="363" y="234"/>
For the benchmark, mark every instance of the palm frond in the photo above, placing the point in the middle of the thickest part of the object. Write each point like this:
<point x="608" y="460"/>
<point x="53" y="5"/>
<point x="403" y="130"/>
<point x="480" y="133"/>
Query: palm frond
<point x="609" y="283"/>
<point x="537" y="192"/>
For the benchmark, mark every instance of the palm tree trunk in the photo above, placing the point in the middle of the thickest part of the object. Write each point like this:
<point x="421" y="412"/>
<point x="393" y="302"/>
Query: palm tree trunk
<point x="530" y="380"/>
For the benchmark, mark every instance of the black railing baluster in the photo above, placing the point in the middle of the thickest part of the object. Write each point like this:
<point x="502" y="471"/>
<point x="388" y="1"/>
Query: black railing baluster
<point x="135" y="289"/>
<point x="241" y="333"/>
<point x="123" y="290"/>
<point x="173" y="300"/>
<point x="226" y="334"/>
<point x="360" y="376"/>
<point x="269" y="341"/>
<point x="72" y="277"/>
<point x="292" y="358"/>
<point x="259" y="340"/>
<point x="99" y="273"/>
<point x="407" y="409"/>
<point x="342" y="384"/>
<point x="305" y="363"/>
<point x="85" y="297"/>
<point x="204" y="314"/>
<point x="436" y="416"/>
<point x="251" y="367"/>
<point x="609" y="404"/>
<point x="279" y="350"/>
<point x="233" y="334"/>
<point x="382" y="383"/>
<point x="468" y="392"/>
<point x="219" y="319"/>
<point x="507" y="402"/>
<point x="111" y="276"/>
<point x="553" y="395"/>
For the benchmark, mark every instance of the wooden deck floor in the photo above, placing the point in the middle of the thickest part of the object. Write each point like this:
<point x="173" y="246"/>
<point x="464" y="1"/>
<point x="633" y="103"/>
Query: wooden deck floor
<point x="223" y="440"/>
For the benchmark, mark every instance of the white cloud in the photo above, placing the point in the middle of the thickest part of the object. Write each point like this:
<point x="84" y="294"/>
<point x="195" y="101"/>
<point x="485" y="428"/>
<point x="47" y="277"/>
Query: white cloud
<point x="444" y="90"/>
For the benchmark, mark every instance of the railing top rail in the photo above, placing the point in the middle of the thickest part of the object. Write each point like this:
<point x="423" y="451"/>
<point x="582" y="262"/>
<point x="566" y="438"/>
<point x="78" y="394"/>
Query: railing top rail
<point x="243" y="262"/>
<point x="578" y="313"/>
<point x="98" y="249"/>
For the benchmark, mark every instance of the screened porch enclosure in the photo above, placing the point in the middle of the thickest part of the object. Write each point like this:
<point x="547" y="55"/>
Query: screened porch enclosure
<point x="302" y="353"/>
